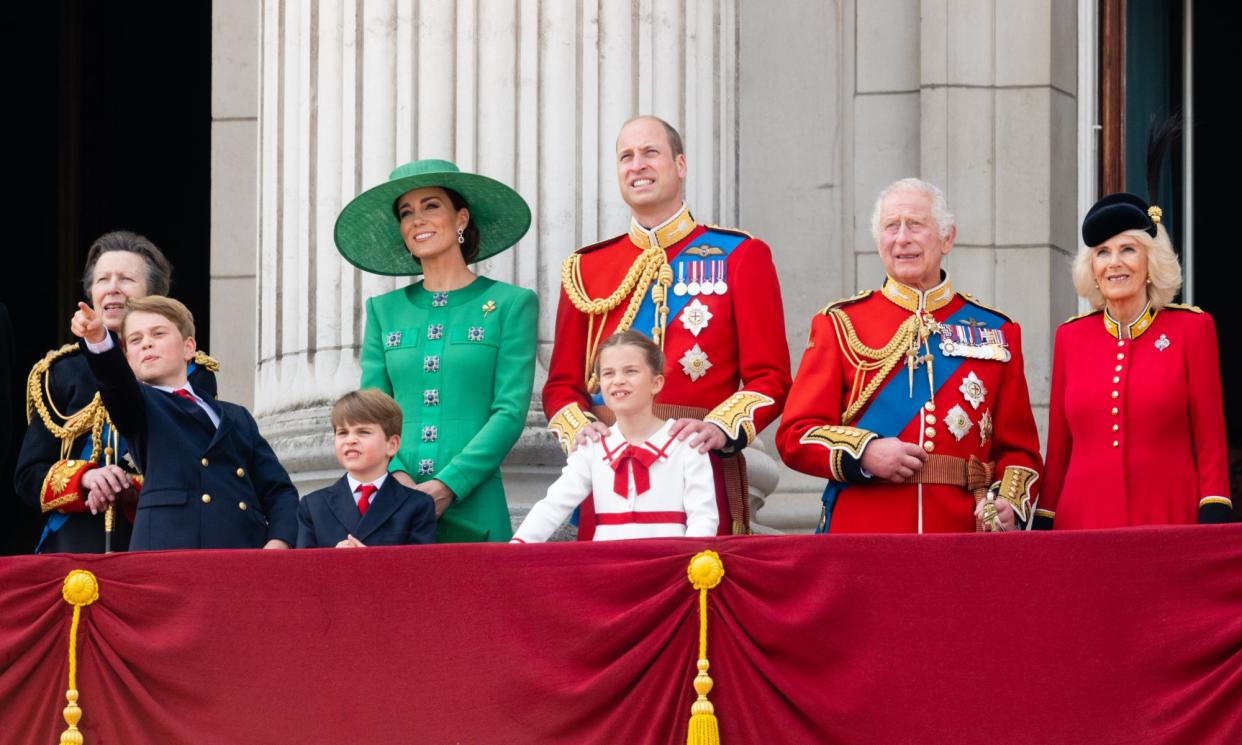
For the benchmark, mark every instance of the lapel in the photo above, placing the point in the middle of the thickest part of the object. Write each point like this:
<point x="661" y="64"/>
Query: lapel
<point x="341" y="504"/>
<point x="191" y="410"/>
<point x="385" y="502"/>
<point x="226" y="420"/>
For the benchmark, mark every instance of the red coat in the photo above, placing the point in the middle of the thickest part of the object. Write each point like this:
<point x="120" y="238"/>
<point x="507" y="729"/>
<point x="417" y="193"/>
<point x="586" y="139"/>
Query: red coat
<point x="1136" y="427"/>
<point x="815" y="438"/>
<point x="744" y="340"/>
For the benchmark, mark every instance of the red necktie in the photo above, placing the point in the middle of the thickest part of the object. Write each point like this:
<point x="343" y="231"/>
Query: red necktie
<point x="640" y="458"/>
<point x="364" y="499"/>
<point x="186" y="395"/>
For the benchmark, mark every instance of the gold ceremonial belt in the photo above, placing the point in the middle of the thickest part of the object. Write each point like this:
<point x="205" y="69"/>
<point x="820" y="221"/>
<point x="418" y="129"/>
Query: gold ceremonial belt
<point x="973" y="475"/>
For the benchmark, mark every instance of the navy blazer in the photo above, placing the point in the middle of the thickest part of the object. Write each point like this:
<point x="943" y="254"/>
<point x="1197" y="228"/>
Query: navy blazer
<point x="71" y="387"/>
<point x="398" y="516"/>
<point x="203" y="486"/>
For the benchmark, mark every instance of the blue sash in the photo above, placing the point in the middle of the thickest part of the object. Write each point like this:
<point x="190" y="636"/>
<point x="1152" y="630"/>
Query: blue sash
<point x="645" y="318"/>
<point x="892" y="408"/>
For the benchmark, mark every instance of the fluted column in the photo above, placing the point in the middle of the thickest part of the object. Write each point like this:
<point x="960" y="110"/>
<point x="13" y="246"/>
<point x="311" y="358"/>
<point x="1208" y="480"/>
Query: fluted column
<point x="531" y="93"/>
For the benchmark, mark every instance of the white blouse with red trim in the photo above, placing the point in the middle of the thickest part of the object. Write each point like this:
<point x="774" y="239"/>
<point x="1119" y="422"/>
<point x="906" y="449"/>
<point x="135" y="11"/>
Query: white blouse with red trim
<point x="679" y="501"/>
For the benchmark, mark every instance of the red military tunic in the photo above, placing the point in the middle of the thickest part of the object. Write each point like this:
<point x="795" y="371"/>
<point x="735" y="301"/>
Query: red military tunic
<point x="982" y="409"/>
<point x="1136" y="428"/>
<point x="725" y="352"/>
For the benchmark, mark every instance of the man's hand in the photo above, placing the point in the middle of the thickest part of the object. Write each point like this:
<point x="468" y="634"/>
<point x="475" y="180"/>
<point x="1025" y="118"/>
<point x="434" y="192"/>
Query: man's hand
<point x="87" y="325"/>
<point x="702" y="435"/>
<point x="893" y="460"/>
<point x="103" y="486"/>
<point x="350" y="542"/>
<point x="590" y="433"/>
<point x="1007" y="518"/>
<point x="276" y="543"/>
<point x="441" y="494"/>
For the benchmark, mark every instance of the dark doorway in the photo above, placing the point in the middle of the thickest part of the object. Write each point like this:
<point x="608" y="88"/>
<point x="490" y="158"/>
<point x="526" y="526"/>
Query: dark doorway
<point x="110" y="128"/>
<point x="1143" y="71"/>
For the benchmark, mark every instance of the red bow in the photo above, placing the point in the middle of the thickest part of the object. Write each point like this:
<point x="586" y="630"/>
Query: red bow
<point x="640" y="459"/>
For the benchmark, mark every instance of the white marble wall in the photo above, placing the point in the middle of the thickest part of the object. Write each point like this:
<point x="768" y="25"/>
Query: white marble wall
<point x="794" y="114"/>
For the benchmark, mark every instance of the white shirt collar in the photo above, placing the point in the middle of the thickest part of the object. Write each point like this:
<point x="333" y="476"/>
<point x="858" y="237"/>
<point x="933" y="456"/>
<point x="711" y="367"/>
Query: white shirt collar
<point x="355" y="483"/>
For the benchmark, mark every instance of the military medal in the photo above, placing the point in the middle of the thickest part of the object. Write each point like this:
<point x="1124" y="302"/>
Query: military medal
<point x="958" y="422"/>
<point x="693" y="287"/>
<point x="721" y="286"/>
<point x="679" y="289"/>
<point x="985" y="427"/>
<point x="971" y="339"/>
<point x="695" y="363"/>
<point x="695" y="316"/>
<point x="709" y="279"/>
<point x="1163" y="343"/>
<point x="972" y="390"/>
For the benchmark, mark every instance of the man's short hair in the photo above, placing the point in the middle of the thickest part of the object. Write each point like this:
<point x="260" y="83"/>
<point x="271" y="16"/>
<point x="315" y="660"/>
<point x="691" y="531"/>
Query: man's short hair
<point x="173" y="310"/>
<point x="368" y="406"/>
<point x="939" y="205"/>
<point x="674" y="137"/>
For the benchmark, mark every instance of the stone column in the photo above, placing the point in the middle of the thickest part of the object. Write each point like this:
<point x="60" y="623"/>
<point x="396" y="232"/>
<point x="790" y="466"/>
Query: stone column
<point x="530" y="93"/>
<point x="998" y="119"/>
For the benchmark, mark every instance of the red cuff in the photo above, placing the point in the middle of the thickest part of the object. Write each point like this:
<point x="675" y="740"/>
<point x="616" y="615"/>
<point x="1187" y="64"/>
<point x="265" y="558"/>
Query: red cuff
<point x="62" y="485"/>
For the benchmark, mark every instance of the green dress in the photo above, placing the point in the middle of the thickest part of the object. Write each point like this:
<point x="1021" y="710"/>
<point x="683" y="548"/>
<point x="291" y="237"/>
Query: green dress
<point x="461" y="365"/>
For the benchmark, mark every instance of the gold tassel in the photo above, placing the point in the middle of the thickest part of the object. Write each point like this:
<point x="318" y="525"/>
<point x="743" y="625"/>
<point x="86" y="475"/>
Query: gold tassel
<point x="79" y="589"/>
<point x="705" y="572"/>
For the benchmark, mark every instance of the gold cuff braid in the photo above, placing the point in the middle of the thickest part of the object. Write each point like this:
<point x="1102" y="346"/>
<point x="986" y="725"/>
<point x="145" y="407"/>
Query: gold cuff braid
<point x="736" y="416"/>
<point x="840" y="441"/>
<point x="1015" y="488"/>
<point x="567" y="423"/>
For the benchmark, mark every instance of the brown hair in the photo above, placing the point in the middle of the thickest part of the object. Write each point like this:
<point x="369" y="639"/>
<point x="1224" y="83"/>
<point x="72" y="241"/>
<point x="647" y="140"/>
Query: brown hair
<point x="632" y="338"/>
<point x="368" y="406"/>
<point x="159" y="271"/>
<point x="173" y="310"/>
<point x="674" y="137"/>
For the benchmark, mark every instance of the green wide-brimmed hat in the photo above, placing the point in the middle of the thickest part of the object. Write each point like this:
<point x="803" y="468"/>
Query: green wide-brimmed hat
<point x="368" y="235"/>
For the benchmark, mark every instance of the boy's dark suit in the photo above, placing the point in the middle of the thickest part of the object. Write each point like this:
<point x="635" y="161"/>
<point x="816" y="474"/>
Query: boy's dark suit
<point x="397" y="516"/>
<point x="204" y="487"/>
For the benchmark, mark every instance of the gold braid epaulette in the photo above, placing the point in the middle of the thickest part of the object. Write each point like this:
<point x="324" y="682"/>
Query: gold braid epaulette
<point x="202" y="359"/>
<point x="650" y="266"/>
<point x="90" y="418"/>
<point x="865" y="359"/>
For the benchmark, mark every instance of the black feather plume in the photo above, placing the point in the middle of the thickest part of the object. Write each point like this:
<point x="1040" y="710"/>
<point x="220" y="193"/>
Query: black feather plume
<point x="1160" y="136"/>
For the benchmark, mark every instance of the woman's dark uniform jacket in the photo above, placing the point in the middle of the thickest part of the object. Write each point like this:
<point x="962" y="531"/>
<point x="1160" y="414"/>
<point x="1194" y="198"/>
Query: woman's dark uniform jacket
<point x="46" y="481"/>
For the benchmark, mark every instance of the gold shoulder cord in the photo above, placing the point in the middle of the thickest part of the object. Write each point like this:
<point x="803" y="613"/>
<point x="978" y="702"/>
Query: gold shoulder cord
<point x="91" y="418"/>
<point x="866" y="359"/>
<point x="650" y="266"/>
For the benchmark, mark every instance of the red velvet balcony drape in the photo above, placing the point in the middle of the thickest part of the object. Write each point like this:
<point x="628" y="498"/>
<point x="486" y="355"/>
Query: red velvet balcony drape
<point x="1126" y="636"/>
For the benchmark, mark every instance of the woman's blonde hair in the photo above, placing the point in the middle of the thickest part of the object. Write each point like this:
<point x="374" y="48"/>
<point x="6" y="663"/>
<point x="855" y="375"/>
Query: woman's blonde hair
<point x="1164" y="272"/>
